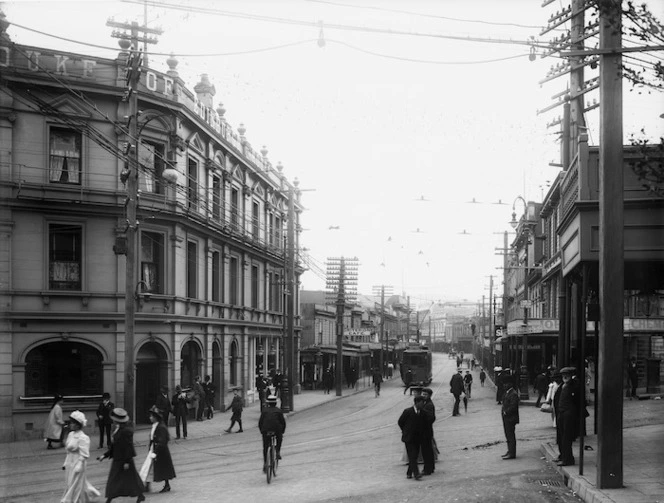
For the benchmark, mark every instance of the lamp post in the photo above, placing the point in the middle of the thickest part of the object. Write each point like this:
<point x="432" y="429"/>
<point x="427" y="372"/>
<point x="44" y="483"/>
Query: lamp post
<point x="525" y="303"/>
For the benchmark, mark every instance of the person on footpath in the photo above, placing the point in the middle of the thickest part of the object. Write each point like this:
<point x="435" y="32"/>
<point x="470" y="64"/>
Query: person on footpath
<point x="482" y="377"/>
<point x="237" y="404"/>
<point x="77" y="444"/>
<point x="123" y="479"/>
<point x="271" y="420"/>
<point x="456" y="388"/>
<point x="163" y="403"/>
<point x="54" y="430"/>
<point x="328" y="381"/>
<point x="412" y="423"/>
<point x="468" y="383"/>
<point x="199" y="398"/>
<point x="633" y="375"/>
<point x="510" y="416"/>
<point x="104" y="422"/>
<point x="179" y="402"/>
<point x="541" y="387"/>
<point x="261" y="386"/>
<point x="568" y="416"/>
<point x="377" y="379"/>
<point x="159" y="453"/>
<point x="429" y="447"/>
<point x="209" y="398"/>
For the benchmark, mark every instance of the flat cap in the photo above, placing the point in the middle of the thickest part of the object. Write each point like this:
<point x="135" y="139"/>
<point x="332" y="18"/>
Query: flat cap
<point x="568" y="370"/>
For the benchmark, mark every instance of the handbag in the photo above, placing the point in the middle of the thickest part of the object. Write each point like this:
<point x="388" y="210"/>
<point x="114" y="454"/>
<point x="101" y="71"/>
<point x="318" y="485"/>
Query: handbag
<point x="546" y="407"/>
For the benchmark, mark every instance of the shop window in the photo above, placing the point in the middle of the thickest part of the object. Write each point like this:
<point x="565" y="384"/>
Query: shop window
<point x="65" y="156"/>
<point x="68" y="368"/>
<point x="64" y="256"/>
<point x="152" y="262"/>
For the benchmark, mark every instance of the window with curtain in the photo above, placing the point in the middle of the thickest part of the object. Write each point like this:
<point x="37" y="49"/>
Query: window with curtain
<point x="151" y="157"/>
<point x="152" y="262"/>
<point x="65" y="156"/>
<point x="64" y="256"/>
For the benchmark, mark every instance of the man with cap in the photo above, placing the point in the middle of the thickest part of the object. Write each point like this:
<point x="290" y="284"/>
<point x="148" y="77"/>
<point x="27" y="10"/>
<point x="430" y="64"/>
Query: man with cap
<point x="428" y="442"/>
<point x="271" y="420"/>
<point x="104" y="419"/>
<point x="236" y="405"/>
<point x="568" y="415"/>
<point x="468" y="382"/>
<point x="413" y="423"/>
<point x="510" y="416"/>
<point x="123" y="479"/>
<point x="456" y="388"/>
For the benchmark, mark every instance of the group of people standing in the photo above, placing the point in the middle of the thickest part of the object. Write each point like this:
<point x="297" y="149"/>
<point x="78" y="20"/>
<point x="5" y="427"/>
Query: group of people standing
<point x="416" y="424"/>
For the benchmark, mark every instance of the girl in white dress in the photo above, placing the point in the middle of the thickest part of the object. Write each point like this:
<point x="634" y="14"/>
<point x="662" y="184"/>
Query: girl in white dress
<point x="77" y="444"/>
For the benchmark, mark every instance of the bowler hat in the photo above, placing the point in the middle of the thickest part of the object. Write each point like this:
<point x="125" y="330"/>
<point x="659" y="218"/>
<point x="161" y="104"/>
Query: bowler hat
<point x="119" y="415"/>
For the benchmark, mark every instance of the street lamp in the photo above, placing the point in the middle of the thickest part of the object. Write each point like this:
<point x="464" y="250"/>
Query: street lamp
<point x="523" y="379"/>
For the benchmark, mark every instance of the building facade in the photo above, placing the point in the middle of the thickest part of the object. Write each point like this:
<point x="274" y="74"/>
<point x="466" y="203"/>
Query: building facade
<point x="211" y="248"/>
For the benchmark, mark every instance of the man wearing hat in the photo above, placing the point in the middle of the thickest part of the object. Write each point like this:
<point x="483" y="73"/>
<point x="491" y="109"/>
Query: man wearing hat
<point x="568" y="415"/>
<point x="237" y="404"/>
<point x="456" y="388"/>
<point x="428" y="442"/>
<point x="271" y="420"/>
<point x="123" y="479"/>
<point x="510" y="416"/>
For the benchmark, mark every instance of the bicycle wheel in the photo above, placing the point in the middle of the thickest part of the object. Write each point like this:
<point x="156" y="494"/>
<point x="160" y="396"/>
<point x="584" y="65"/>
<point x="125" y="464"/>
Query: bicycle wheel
<point x="275" y="462"/>
<point x="270" y="461"/>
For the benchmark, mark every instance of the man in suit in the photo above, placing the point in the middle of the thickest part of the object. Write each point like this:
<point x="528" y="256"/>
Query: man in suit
<point x="510" y="415"/>
<point x="413" y="424"/>
<point x="428" y="443"/>
<point x="163" y="403"/>
<point x="568" y="415"/>
<point x="456" y="388"/>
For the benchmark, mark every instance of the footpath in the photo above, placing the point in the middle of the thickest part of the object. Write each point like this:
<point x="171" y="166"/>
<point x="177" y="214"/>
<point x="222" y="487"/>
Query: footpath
<point x="643" y="456"/>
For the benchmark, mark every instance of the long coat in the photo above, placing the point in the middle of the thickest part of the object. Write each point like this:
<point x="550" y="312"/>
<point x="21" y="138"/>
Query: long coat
<point x="163" y="463"/>
<point x="413" y="426"/>
<point x="123" y="482"/>
<point x="456" y="384"/>
<point x="510" y="409"/>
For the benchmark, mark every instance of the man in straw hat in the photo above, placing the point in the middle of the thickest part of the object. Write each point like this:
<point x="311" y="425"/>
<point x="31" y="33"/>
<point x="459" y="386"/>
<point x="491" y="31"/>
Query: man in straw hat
<point x="123" y="479"/>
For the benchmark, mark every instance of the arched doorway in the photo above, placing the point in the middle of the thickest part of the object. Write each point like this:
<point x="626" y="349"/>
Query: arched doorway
<point x="234" y="376"/>
<point x="216" y="374"/>
<point x="151" y="374"/>
<point x="190" y="364"/>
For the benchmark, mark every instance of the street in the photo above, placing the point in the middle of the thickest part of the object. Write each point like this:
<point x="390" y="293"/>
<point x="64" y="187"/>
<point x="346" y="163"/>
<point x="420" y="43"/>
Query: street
<point x="347" y="449"/>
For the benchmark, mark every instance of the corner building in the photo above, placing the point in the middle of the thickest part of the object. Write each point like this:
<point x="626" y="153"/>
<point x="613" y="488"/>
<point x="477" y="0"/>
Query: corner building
<point x="211" y="248"/>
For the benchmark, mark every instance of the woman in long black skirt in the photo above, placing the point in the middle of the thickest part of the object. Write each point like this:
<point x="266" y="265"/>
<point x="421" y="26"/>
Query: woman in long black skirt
<point x="163" y="463"/>
<point x="123" y="479"/>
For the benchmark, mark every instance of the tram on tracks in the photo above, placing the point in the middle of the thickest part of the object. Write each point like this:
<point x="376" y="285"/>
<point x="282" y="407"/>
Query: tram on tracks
<point x="417" y="359"/>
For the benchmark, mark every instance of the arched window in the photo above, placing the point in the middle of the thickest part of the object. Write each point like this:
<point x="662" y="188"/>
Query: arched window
<point x="190" y="363"/>
<point x="68" y="368"/>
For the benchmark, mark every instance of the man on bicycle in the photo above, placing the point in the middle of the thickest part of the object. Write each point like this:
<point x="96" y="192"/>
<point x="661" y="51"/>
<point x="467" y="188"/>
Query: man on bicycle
<point x="271" y="420"/>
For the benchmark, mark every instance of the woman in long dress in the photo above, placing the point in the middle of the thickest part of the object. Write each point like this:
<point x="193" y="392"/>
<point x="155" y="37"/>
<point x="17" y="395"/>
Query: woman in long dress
<point x="54" y="423"/>
<point x="123" y="479"/>
<point x="159" y="451"/>
<point x="77" y="444"/>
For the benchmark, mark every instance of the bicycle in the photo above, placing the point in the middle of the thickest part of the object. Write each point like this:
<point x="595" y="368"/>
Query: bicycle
<point x="271" y="460"/>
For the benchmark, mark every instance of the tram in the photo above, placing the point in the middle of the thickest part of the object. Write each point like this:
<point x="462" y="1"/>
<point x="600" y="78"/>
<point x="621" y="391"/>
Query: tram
<point x="417" y="359"/>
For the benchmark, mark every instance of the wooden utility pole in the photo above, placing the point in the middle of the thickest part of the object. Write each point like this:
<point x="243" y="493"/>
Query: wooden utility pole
<point x="291" y="286"/>
<point x="611" y="250"/>
<point x="135" y="34"/>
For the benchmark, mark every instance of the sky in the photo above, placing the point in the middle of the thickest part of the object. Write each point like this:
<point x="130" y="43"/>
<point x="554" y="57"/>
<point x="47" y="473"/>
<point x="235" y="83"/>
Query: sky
<point x="393" y="115"/>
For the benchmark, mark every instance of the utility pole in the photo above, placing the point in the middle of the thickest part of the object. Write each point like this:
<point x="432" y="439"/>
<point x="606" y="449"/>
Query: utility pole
<point x="289" y="336"/>
<point x="130" y="177"/>
<point x="382" y="339"/>
<point x="341" y="280"/>
<point x="611" y="249"/>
